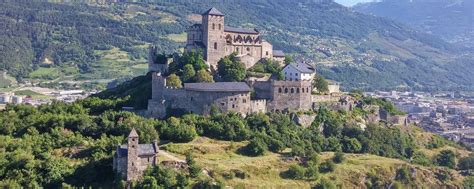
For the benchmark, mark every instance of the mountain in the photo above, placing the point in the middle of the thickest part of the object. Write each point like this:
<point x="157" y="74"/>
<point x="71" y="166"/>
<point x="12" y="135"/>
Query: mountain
<point x="452" y="20"/>
<point x="90" y="40"/>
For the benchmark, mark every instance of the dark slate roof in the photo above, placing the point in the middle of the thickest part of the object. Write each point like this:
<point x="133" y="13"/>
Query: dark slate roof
<point x="143" y="150"/>
<point x="278" y="53"/>
<point x="303" y="67"/>
<point x="213" y="11"/>
<point x="240" y="30"/>
<point x="218" y="87"/>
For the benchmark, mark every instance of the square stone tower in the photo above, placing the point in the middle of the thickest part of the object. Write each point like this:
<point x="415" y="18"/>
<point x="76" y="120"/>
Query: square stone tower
<point x="213" y="36"/>
<point x="132" y="167"/>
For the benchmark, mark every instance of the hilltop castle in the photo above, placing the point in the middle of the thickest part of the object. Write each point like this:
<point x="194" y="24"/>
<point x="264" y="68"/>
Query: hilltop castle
<point x="215" y="41"/>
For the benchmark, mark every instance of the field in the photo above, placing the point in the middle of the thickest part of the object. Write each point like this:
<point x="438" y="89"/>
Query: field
<point x="45" y="73"/>
<point x="178" y="38"/>
<point x="219" y="158"/>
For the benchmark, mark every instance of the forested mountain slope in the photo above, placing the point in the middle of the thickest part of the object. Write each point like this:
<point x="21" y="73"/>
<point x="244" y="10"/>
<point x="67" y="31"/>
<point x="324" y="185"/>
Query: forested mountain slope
<point x="360" y="51"/>
<point x="453" y="20"/>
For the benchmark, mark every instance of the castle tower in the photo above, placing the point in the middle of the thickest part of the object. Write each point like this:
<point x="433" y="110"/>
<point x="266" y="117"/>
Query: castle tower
<point x="158" y="86"/>
<point x="213" y="36"/>
<point x="132" y="156"/>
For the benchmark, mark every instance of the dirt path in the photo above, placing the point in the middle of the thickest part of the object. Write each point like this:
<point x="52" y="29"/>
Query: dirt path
<point x="169" y="156"/>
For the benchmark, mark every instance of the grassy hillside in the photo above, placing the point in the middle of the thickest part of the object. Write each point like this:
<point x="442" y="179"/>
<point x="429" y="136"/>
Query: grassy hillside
<point x="220" y="158"/>
<point x="108" y="41"/>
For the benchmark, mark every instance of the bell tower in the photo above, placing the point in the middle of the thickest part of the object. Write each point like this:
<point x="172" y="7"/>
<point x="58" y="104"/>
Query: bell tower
<point x="213" y="36"/>
<point x="132" y="158"/>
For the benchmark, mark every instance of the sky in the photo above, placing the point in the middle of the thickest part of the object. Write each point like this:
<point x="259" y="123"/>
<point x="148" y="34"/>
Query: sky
<point x="351" y="2"/>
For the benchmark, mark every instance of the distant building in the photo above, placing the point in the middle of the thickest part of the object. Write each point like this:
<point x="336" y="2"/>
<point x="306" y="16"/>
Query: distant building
<point x="6" y="98"/>
<point x="215" y="41"/>
<point x="131" y="159"/>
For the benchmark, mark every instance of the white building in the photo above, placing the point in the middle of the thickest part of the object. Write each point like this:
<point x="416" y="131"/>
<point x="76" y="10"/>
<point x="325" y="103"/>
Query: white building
<point x="299" y="72"/>
<point x="6" y="98"/>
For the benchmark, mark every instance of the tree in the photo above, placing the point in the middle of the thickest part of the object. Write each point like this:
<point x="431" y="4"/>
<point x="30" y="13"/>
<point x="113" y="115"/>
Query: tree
<point x="173" y="81"/>
<point x="203" y="76"/>
<point x="288" y="59"/>
<point x="320" y="84"/>
<point x="327" y="166"/>
<point x="468" y="182"/>
<point x="446" y="158"/>
<point x="188" y="73"/>
<point x="256" y="147"/>
<point x="231" y="70"/>
<point x="403" y="175"/>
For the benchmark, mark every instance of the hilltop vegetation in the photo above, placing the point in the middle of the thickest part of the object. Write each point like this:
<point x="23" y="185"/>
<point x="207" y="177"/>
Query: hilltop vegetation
<point x="108" y="41"/>
<point x="72" y="145"/>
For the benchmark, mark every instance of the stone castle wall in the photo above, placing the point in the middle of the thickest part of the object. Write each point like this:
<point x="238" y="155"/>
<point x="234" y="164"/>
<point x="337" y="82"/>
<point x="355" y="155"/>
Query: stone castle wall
<point x="213" y="38"/>
<point x="258" y="106"/>
<point x="290" y="95"/>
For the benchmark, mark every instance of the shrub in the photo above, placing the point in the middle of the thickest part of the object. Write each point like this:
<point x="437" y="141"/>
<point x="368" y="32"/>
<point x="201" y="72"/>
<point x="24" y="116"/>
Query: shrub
<point x="338" y="157"/>
<point x="403" y="175"/>
<point x="421" y="159"/>
<point x="325" y="184"/>
<point x="295" y="172"/>
<point x="256" y="147"/>
<point x="468" y="182"/>
<point x="446" y="158"/>
<point x="351" y="145"/>
<point x="328" y="166"/>
<point x="466" y="163"/>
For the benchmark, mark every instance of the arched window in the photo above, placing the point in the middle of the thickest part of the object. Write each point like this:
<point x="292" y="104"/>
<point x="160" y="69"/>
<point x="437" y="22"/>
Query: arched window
<point x="220" y="26"/>
<point x="286" y="90"/>
<point x="302" y="90"/>
<point x="215" y="46"/>
<point x="279" y="90"/>
<point x="248" y="49"/>
<point x="292" y="90"/>
<point x="213" y="26"/>
<point x="297" y="90"/>
<point x="237" y="49"/>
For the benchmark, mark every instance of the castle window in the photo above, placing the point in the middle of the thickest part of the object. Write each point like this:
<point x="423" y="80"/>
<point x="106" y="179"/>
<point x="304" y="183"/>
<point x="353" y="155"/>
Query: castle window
<point x="133" y="146"/>
<point x="307" y="89"/>
<point x="292" y="90"/>
<point x="286" y="90"/>
<point x="133" y="139"/>
<point x="279" y="90"/>
<point x="192" y="99"/>
<point x="244" y="101"/>
<point x="237" y="49"/>
<point x="297" y="90"/>
<point x="233" y="105"/>
<point x="219" y="26"/>
<point x="222" y="103"/>
<point x="213" y="26"/>
<point x="266" y="53"/>
<point x="248" y="49"/>
<point x="296" y="74"/>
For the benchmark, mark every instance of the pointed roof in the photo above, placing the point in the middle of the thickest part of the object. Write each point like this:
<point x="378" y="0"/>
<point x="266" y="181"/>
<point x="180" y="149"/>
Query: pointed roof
<point x="213" y="11"/>
<point x="133" y="133"/>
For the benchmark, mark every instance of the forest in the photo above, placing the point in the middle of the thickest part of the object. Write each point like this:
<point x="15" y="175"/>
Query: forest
<point x="74" y="34"/>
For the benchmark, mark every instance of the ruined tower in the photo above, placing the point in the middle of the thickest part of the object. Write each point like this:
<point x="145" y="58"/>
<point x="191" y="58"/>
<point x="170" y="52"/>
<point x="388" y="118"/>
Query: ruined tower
<point x="213" y="36"/>
<point x="132" y="146"/>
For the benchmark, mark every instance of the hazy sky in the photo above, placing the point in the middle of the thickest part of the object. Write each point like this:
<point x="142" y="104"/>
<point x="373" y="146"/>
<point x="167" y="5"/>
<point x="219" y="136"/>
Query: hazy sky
<point x="351" y="2"/>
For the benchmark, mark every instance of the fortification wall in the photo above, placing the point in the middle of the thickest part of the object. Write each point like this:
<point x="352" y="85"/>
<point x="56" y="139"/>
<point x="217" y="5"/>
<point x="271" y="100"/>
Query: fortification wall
<point x="263" y="89"/>
<point x="258" y="106"/>
<point x="290" y="95"/>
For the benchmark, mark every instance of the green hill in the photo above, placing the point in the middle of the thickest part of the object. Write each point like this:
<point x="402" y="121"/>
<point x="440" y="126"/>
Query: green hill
<point x="108" y="40"/>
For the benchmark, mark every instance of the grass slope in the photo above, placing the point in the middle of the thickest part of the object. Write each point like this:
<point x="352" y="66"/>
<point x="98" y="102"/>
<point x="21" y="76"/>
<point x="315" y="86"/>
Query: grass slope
<point x="220" y="157"/>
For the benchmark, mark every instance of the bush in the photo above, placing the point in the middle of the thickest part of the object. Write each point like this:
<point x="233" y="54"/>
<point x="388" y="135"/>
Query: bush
<point x="295" y="172"/>
<point x="466" y="163"/>
<point x="351" y="145"/>
<point x="446" y="158"/>
<point x="403" y="175"/>
<point x="338" y="157"/>
<point x="421" y="159"/>
<point x="325" y="184"/>
<point x="256" y="147"/>
<point x="328" y="166"/>
<point x="194" y="169"/>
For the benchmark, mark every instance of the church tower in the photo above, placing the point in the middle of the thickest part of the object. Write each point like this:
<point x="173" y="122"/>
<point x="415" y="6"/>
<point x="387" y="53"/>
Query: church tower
<point x="213" y="36"/>
<point x="132" y="156"/>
